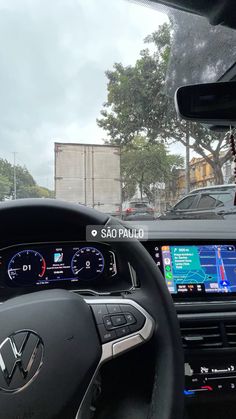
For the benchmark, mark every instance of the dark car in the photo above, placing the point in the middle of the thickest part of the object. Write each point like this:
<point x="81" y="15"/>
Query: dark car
<point x="138" y="210"/>
<point x="213" y="202"/>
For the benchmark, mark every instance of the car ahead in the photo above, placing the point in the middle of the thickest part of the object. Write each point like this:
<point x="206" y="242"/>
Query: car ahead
<point x="213" y="202"/>
<point x="138" y="210"/>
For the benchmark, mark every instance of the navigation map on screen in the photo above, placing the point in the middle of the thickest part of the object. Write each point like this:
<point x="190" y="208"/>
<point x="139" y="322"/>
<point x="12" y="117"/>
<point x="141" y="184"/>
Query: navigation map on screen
<point x="199" y="269"/>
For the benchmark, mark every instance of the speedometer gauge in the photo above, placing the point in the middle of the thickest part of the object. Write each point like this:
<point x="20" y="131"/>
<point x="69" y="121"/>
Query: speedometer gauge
<point x="26" y="266"/>
<point x="87" y="263"/>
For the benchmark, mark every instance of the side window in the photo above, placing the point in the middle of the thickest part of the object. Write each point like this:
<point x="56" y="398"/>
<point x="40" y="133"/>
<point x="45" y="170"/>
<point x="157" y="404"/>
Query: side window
<point x="223" y="198"/>
<point x="186" y="203"/>
<point x="207" y="201"/>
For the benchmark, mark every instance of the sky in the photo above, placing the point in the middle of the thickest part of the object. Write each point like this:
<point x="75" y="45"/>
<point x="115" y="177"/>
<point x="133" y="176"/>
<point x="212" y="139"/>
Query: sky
<point x="54" y="55"/>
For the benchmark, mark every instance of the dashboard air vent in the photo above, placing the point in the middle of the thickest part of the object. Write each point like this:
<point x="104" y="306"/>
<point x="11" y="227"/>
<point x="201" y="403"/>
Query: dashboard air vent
<point x="201" y="335"/>
<point x="230" y="330"/>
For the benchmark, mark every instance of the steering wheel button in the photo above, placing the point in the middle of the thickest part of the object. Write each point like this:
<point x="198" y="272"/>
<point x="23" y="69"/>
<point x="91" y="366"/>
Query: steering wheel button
<point x="122" y="331"/>
<point x="99" y="310"/>
<point x="118" y="320"/>
<point x="135" y="327"/>
<point x="113" y="308"/>
<point x="130" y="318"/>
<point x="106" y="335"/>
<point x="107" y="322"/>
<point x="139" y="317"/>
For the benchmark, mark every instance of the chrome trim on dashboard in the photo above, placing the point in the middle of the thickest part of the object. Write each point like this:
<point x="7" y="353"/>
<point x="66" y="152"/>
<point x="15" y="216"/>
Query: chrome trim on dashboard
<point x="120" y="345"/>
<point x="203" y="303"/>
<point x="93" y="293"/>
<point x="206" y="316"/>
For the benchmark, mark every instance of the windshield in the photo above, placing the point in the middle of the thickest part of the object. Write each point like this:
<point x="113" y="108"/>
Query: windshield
<point x="87" y="110"/>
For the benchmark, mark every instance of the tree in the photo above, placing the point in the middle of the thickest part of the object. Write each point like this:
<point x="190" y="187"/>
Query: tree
<point x="5" y="187"/>
<point x="145" y="166"/>
<point x="137" y="104"/>
<point x="25" y="184"/>
<point x="34" y="191"/>
<point x="211" y="146"/>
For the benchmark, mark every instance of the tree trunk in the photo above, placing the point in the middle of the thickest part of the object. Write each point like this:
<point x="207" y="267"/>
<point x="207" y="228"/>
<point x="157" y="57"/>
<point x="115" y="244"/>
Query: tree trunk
<point x="218" y="175"/>
<point x="141" y="186"/>
<point x="141" y="191"/>
<point x="216" y="163"/>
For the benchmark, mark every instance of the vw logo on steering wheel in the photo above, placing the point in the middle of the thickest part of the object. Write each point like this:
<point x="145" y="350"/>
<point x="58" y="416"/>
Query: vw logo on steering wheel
<point x="21" y="356"/>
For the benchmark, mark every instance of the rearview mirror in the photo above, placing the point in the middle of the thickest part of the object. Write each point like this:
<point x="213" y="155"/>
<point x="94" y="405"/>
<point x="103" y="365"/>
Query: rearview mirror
<point x="210" y="103"/>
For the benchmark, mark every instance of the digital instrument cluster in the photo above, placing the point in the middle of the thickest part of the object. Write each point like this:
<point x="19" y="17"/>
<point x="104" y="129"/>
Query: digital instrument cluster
<point x="47" y="264"/>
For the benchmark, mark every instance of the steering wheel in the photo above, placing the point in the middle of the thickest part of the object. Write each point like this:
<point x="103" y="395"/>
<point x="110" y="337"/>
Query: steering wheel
<point x="53" y="342"/>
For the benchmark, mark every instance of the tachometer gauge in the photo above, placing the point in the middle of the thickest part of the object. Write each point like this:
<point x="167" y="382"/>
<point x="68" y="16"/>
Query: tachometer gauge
<point x="26" y="267"/>
<point x="87" y="263"/>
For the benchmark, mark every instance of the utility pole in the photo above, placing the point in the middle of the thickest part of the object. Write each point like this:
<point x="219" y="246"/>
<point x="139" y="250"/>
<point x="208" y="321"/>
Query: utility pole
<point x="187" y="157"/>
<point x="14" y="174"/>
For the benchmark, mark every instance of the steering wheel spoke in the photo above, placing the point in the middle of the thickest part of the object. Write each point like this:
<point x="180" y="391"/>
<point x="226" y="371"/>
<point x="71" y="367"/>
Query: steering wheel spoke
<point x="122" y="324"/>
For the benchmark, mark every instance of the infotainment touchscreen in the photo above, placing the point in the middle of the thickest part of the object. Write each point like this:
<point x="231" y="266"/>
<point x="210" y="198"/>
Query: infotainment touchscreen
<point x="199" y="269"/>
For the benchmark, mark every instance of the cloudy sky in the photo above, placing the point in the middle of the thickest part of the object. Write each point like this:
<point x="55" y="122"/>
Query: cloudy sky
<point x="52" y="83"/>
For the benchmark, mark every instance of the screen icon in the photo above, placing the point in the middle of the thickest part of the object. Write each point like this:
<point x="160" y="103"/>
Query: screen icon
<point x="165" y="248"/>
<point x="167" y="261"/>
<point x="168" y="268"/>
<point x="169" y="275"/>
<point x="58" y="257"/>
<point x="224" y="283"/>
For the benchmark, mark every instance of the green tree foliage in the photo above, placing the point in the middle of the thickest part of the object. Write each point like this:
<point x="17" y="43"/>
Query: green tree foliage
<point x="5" y="187"/>
<point x="26" y="186"/>
<point x="137" y="104"/>
<point x="145" y="166"/>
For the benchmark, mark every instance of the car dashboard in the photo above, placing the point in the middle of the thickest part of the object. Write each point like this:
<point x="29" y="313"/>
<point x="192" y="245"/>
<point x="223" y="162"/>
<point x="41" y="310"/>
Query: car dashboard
<point x="198" y="262"/>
